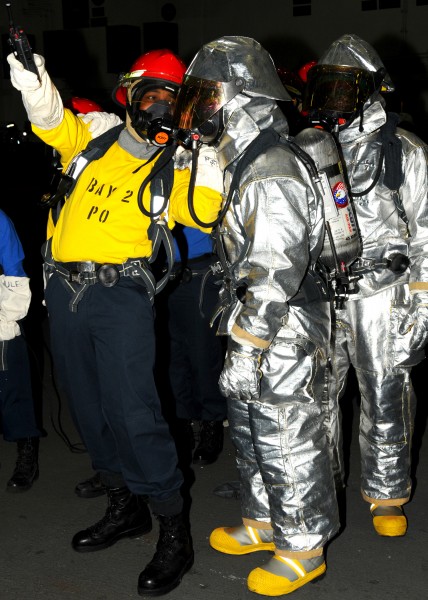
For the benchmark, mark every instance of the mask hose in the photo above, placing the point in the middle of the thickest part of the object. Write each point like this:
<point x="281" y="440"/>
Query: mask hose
<point x="167" y="155"/>
<point x="195" y="153"/>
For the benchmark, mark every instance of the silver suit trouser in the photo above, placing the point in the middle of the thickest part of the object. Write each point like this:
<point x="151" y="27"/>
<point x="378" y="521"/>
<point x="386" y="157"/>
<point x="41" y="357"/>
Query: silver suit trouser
<point x="282" y="451"/>
<point x="366" y="336"/>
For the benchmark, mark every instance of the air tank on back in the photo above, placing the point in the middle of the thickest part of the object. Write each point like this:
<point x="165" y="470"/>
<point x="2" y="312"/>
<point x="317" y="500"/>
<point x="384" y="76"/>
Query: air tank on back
<point x="342" y="240"/>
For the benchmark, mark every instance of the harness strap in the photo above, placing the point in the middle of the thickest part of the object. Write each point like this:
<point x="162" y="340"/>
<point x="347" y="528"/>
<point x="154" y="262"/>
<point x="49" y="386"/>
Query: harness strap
<point x="159" y="233"/>
<point x="95" y="149"/>
<point x="266" y="138"/>
<point x="142" y="275"/>
<point x="391" y="156"/>
<point x="392" y="145"/>
<point x="77" y="277"/>
<point x="214" y="270"/>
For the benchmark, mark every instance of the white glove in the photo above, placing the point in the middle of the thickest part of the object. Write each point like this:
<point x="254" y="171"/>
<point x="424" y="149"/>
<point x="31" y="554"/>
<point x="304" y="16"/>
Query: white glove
<point x="15" y="297"/>
<point x="41" y="99"/>
<point x="182" y="158"/>
<point x="209" y="173"/>
<point x="22" y="80"/>
<point x="99" y="122"/>
<point x="240" y="378"/>
<point x="416" y="321"/>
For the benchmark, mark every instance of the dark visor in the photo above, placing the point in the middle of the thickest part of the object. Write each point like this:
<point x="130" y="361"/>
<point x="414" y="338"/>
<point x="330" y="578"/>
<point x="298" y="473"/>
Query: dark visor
<point x="199" y="99"/>
<point x="338" y="89"/>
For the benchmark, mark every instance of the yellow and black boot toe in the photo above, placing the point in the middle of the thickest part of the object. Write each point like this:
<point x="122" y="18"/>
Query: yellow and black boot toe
<point x="282" y="575"/>
<point x="241" y="540"/>
<point x="388" y="521"/>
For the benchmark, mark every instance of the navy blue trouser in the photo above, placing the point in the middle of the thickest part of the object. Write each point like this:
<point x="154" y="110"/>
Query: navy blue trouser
<point x="16" y="397"/>
<point x="196" y="352"/>
<point x="104" y="355"/>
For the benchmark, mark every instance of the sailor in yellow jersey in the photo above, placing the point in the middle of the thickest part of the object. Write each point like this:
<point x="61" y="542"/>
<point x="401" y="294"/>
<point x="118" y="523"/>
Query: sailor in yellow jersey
<point x="102" y="219"/>
<point x="99" y="296"/>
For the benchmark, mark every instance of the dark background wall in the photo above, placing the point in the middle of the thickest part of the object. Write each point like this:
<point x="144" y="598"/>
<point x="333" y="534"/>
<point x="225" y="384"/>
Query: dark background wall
<point x="87" y="43"/>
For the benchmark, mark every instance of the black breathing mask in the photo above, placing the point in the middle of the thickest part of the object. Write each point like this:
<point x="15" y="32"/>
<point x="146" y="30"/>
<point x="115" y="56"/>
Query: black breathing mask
<point x="154" y="124"/>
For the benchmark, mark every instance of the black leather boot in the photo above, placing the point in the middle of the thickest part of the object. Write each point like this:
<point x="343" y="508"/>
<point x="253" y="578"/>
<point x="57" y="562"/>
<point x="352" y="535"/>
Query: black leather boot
<point x="210" y="443"/>
<point x="27" y="466"/>
<point x="127" y="515"/>
<point x="90" y="488"/>
<point x="172" y="559"/>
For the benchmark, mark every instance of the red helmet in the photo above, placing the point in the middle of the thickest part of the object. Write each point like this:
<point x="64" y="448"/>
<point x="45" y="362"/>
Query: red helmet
<point x="82" y="105"/>
<point x="303" y="71"/>
<point x="158" y="66"/>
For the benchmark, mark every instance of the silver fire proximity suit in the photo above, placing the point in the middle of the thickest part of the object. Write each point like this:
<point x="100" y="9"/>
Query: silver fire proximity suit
<point x="368" y="328"/>
<point x="382" y="329"/>
<point x="278" y="336"/>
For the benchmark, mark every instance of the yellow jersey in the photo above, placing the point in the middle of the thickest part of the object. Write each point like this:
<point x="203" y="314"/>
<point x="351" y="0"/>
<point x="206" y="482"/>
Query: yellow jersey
<point x="101" y="220"/>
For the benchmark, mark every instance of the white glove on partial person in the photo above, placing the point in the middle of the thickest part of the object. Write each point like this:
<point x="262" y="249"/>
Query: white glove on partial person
<point x="241" y="375"/>
<point x="99" y="122"/>
<point x="15" y="297"/>
<point x="41" y="99"/>
<point x="209" y="173"/>
<point x="416" y="321"/>
<point x="182" y="158"/>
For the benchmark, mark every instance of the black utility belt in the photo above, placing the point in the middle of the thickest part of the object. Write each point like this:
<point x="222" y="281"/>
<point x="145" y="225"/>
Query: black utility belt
<point x="107" y="274"/>
<point x="193" y="267"/>
<point x="185" y="274"/>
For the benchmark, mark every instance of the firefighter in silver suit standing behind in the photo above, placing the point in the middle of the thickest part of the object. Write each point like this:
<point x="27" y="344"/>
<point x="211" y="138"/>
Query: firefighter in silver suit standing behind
<point x="382" y="329"/>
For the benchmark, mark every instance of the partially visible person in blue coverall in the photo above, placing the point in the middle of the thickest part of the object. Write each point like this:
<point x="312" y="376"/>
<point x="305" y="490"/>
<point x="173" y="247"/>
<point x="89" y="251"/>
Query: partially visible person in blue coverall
<point x="195" y="354"/>
<point x="17" y="412"/>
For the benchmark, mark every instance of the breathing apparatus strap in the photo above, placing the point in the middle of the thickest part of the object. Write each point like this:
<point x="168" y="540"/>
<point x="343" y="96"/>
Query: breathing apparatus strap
<point x="265" y="139"/>
<point x="93" y="151"/>
<point x="393" y="152"/>
<point x="161" y="180"/>
<point x="391" y="155"/>
<point x="159" y="233"/>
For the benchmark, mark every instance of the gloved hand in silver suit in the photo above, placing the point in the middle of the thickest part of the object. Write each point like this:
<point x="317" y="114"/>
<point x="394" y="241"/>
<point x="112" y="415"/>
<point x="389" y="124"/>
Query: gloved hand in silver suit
<point x="416" y="321"/>
<point x="240" y="378"/>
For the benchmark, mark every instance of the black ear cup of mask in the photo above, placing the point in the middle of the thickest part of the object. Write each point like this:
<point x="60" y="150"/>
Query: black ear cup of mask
<point x="211" y="129"/>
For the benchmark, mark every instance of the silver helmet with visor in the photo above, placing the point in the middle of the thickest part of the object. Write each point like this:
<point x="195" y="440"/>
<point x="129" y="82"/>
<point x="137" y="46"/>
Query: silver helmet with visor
<point x="345" y="78"/>
<point x="221" y="70"/>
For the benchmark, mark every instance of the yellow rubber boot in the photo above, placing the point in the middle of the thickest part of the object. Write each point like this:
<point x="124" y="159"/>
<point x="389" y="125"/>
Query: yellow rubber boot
<point x="241" y="540"/>
<point x="283" y="575"/>
<point x="388" y="520"/>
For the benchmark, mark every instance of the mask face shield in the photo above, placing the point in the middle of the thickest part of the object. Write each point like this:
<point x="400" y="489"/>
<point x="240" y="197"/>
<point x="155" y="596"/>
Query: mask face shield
<point x="199" y="99"/>
<point x="338" y="91"/>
